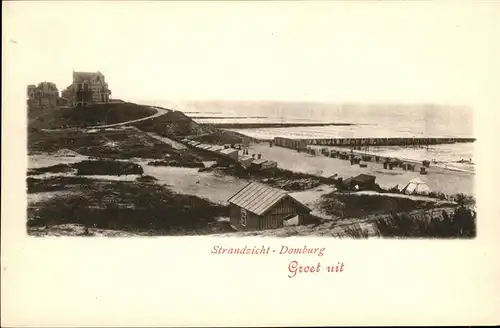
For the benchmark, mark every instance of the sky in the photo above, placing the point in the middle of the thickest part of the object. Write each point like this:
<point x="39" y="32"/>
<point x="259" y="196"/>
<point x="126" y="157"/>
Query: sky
<point x="432" y="52"/>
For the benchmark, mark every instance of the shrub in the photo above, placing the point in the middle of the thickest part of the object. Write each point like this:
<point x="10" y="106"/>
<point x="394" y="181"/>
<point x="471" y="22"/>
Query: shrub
<point x="438" y="195"/>
<point x="107" y="167"/>
<point x="128" y="206"/>
<point x="460" y="224"/>
<point x="119" y="143"/>
<point x="146" y="179"/>
<point x="355" y="205"/>
<point x="464" y="200"/>
<point x="355" y="231"/>
<point x="55" y="183"/>
<point x="59" y="168"/>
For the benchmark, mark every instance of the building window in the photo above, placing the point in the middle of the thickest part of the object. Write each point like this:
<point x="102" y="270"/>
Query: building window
<point x="243" y="220"/>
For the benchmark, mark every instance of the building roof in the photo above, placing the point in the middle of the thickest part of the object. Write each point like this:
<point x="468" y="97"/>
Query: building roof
<point x="364" y="177"/>
<point x="361" y="178"/>
<point x="228" y="151"/>
<point x="47" y="86"/>
<point x="215" y="148"/>
<point x="259" y="198"/>
<point x="246" y="158"/>
<point x="82" y="76"/>
<point x="259" y="161"/>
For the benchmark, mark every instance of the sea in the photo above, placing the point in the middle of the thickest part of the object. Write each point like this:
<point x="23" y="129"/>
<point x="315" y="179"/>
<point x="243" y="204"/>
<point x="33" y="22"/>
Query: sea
<point x="369" y="120"/>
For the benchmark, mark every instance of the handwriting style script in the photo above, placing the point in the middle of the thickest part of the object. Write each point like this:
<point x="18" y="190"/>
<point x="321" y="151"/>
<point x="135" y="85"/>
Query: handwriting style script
<point x="295" y="268"/>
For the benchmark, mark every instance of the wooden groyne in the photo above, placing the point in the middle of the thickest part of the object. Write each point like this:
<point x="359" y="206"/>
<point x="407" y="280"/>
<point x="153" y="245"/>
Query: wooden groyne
<point x="269" y="125"/>
<point x="363" y="142"/>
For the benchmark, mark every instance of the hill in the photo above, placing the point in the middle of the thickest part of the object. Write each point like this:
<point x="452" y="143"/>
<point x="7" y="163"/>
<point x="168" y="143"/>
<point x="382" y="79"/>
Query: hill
<point x="173" y="124"/>
<point x="123" y="142"/>
<point x="97" y="114"/>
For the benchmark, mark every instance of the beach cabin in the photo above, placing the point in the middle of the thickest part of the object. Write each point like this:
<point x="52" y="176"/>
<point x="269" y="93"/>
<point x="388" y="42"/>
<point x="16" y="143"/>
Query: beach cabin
<point x="269" y="165"/>
<point x="361" y="182"/>
<point x="229" y="153"/>
<point x="218" y="148"/>
<point x="246" y="160"/>
<point x="355" y="160"/>
<point x="259" y="207"/>
<point x="257" y="163"/>
<point x="215" y="148"/>
<point x="206" y="147"/>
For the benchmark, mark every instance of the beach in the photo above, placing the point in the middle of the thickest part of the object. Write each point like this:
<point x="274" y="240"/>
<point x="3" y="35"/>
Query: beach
<point x="438" y="179"/>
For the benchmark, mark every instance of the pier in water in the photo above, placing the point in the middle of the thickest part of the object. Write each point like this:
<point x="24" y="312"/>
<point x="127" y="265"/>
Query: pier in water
<point x="359" y="142"/>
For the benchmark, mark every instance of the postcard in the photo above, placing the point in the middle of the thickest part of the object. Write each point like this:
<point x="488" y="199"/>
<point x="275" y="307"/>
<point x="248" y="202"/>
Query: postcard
<point x="249" y="163"/>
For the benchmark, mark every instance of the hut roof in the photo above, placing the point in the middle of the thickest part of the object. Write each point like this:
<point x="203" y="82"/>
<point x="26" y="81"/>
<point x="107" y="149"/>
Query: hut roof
<point x="228" y="151"/>
<point x="259" y="161"/>
<point x="217" y="148"/>
<point x="259" y="198"/>
<point x="214" y="148"/>
<point x="246" y="158"/>
<point x="361" y="178"/>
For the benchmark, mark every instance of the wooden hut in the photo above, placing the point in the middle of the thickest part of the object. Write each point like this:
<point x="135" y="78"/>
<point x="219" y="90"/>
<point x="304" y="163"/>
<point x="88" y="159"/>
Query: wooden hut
<point x="269" y="165"/>
<point x="363" y="181"/>
<point x="257" y="164"/>
<point x="229" y="153"/>
<point x="245" y="160"/>
<point x="260" y="207"/>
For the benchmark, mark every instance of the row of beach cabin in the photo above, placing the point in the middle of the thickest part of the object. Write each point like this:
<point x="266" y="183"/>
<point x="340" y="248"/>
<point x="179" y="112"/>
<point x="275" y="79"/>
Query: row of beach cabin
<point x="236" y="153"/>
<point x="362" y="159"/>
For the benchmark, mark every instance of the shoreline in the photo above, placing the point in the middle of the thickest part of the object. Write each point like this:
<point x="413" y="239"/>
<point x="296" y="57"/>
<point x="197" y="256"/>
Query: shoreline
<point x="270" y="125"/>
<point x="439" y="179"/>
<point x="405" y="160"/>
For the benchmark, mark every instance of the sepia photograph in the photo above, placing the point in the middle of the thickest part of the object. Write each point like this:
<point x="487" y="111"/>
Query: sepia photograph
<point x="186" y="138"/>
<point x="175" y="163"/>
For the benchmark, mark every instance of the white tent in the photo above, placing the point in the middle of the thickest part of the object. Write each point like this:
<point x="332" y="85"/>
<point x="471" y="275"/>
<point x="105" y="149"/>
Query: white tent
<point x="416" y="187"/>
